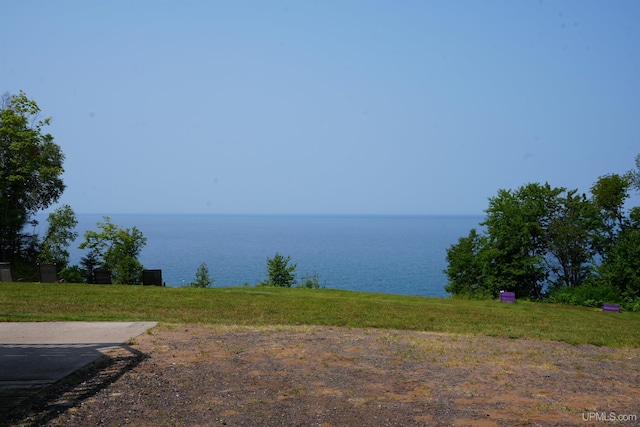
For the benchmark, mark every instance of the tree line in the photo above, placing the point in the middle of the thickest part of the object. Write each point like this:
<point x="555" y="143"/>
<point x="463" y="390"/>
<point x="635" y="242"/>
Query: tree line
<point x="554" y="244"/>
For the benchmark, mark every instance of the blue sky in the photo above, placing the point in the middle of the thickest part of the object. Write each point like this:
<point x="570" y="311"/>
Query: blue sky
<point x="326" y="107"/>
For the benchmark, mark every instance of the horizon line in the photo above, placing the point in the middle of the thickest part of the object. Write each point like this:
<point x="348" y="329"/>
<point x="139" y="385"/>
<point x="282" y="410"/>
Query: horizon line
<point x="280" y="214"/>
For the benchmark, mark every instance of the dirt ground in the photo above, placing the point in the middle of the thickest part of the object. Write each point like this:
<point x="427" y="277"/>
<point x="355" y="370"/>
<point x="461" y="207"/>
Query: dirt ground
<point x="192" y="375"/>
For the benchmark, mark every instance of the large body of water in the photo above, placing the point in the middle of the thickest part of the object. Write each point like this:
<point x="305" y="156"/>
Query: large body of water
<point x="390" y="254"/>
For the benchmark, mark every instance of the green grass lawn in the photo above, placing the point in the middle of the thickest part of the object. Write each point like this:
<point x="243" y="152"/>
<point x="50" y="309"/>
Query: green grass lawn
<point x="284" y="306"/>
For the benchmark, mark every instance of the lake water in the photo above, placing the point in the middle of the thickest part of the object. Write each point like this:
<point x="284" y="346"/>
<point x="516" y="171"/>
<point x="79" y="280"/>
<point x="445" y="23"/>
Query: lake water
<point x="389" y="254"/>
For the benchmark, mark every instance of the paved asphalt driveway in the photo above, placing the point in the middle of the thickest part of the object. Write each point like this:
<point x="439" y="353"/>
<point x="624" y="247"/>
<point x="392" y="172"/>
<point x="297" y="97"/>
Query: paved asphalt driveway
<point x="34" y="355"/>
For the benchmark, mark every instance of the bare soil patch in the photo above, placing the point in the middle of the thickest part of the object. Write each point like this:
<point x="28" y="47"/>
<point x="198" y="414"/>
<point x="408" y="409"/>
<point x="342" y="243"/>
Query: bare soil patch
<point x="192" y="375"/>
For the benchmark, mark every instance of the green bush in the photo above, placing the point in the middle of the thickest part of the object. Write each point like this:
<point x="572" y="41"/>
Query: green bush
<point x="586" y="295"/>
<point x="280" y="272"/>
<point x="73" y="274"/>
<point x="632" y="304"/>
<point x="202" y="280"/>
<point x="310" y="282"/>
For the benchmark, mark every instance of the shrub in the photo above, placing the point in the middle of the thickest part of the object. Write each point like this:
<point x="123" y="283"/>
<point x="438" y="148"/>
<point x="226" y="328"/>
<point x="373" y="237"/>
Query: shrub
<point x="632" y="304"/>
<point x="585" y="295"/>
<point x="310" y="282"/>
<point x="202" y="280"/>
<point x="280" y="272"/>
<point x="73" y="274"/>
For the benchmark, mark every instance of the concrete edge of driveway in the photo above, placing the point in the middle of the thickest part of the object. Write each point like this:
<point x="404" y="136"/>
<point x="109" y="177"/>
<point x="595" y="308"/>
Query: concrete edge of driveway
<point x="35" y="355"/>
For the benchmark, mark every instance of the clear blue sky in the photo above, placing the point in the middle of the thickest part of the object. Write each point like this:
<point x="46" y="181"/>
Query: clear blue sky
<point x="326" y="107"/>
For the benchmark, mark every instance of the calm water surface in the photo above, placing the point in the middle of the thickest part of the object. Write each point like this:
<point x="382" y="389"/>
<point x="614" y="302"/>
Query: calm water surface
<point x="390" y="254"/>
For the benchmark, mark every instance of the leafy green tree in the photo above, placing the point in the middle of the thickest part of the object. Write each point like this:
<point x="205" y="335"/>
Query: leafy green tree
<point x="516" y="223"/>
<point x="280" y="272"/>
<point x="580" y="249"/>
<point x="570" y="240"/>
<point x="202" y="280"/>
<point x="535" y="236"/>
<point x="465" y="267"/>
<point x="117" y="249"/>
<point x="30" y="171"/>
<point x="609" y="194"/>
<point x="59" y="235"/>
<point x="621" y="267"/>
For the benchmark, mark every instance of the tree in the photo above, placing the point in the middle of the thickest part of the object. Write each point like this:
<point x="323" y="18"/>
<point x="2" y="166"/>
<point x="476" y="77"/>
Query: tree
<point x="571" y="240"/>
<point x="202" y="280"/>
<point x="516" y="223"/>
<point x="619" y="234"/>
<point x="609" y="194"/>
<point x="543" y="240"/>
<point x="536" y="236"/>
<point x="465" y="268"/>
<point x="59" y="236"/>
<point x="30" y="170"/>
<point x="621" y="267"/>
<point x="89" y="263"/>
<point x="116" y="249"/>
<point x="279" y="272"/>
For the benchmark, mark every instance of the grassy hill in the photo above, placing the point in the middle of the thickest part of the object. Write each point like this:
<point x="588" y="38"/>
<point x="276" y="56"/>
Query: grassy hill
<point x="285" y="306"/>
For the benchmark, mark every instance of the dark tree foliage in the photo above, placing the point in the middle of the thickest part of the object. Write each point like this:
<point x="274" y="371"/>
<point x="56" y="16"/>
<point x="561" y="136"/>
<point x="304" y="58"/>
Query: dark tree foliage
<point x="570" y="240"/>
<point x="466" y="267"/>
<point x="280" y="272"/>
<point x="515" y="224"/>
<point x="621" y="267"/>
<point x="539" y="239"/>
<point x="89" y="263"/>
<point x="30" y="172"/>
<point x="116" y="249"/>
<point x="202" y="279"/>
<point x="609" y="194"/>
<point x="60" y="233"/>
